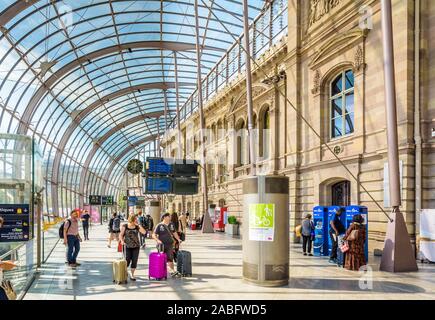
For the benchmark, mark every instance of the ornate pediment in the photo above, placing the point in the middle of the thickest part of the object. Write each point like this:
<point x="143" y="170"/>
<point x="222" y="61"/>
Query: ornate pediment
<point x="337" y="44"/>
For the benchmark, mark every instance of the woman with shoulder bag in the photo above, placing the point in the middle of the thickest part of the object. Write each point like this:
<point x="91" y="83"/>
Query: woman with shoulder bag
<point x="355" y="238"/>
<point x="129" y="238"/>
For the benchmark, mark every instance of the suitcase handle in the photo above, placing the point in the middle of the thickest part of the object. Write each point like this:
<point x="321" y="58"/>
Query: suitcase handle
<point x="160" y="247"/>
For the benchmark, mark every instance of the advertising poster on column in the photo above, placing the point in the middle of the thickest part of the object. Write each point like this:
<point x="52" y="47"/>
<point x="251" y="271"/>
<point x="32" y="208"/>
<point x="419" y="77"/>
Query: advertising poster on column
<point x="427" y="234"/>
<point x="261" y="222"/>
<point x="16" y="226"/>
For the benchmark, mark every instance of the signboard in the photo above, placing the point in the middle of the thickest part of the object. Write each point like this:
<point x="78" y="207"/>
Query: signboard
<point x="95" y="200"/>
<point x="158" y="185"/>
<point x="16" y="227"/>
<point x="107" y="200"/>
<point x="261" y="222"/>
<point x="132" y="201"/>
<point x="159" y="166"/>
<point x="186" y="168"/>
<point x="185" y="186"/>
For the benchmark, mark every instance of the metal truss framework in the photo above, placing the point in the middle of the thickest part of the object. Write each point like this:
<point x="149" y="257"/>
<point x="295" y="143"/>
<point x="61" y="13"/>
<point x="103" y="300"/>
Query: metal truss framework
<point x="90" y="91"/>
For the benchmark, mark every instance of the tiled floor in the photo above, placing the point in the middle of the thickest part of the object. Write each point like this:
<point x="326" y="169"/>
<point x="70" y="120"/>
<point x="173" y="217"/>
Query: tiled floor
<point x="217" y="275"/>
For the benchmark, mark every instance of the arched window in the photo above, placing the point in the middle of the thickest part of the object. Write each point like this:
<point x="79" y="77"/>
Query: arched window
<point x="241" y="143"/>
<point x="264" y="140"/>
<point x="342" y="105"/>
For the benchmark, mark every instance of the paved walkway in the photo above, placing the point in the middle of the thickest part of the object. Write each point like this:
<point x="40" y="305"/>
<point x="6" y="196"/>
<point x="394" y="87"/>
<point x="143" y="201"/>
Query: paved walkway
<point x="217" y="276"/>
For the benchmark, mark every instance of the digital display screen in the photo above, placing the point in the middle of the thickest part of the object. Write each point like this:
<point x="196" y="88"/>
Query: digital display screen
<point x="159" y="166"/>
<point x="107" y="200"/>
<point x="186" y="169"/>
<point x="185" y="186"/>
<point x="155" y="185"/>
<point x="95" y="200"/>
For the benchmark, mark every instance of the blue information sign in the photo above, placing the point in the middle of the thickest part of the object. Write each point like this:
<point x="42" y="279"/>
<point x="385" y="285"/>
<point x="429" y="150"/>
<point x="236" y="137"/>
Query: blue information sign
<point x="132" y="201"/>
<point x="16" y="225"/>
<point x="158" y="185"/>
<point x="159" y="166"/>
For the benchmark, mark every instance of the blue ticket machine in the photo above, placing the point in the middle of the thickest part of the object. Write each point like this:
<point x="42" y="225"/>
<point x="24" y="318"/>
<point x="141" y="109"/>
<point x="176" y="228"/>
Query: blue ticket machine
<point x="350" y="212"/>
<point x="331" y="212"/>
<point x="320" y="220"/>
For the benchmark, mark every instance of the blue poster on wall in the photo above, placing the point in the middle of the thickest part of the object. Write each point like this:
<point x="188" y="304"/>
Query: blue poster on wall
<point x="16" y="225"/>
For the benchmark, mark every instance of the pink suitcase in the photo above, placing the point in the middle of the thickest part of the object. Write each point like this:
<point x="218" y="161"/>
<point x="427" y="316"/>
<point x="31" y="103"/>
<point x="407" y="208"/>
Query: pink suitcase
<point x="157" y="266"/>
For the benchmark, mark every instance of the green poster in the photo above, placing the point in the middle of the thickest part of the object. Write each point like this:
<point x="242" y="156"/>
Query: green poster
<point x="261" y="221"/>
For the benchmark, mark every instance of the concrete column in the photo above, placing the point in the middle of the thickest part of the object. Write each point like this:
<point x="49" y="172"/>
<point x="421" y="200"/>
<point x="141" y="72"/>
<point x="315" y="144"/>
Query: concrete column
<point x="155" y="211"/>
<point x="266" y="261"/>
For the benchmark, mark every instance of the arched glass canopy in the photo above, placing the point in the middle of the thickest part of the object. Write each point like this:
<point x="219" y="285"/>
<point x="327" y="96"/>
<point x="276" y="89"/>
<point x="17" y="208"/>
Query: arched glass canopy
<point x="91" y="80"/>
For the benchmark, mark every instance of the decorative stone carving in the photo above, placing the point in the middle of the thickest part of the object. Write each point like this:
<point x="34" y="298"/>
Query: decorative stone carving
<point x="257" y="90"/>
<point x="318" y="8"/>
<point x="359" y="59"/>
<point x="316" y="82"/>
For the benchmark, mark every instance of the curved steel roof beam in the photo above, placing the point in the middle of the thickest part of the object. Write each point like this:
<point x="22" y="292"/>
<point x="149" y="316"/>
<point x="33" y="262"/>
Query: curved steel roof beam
<point x="123" y="154"/>
<point x="30" y="108"/>
<point x="106" y="136"/>
<point x="21" y="5"/>
<point x="73" y="125"/>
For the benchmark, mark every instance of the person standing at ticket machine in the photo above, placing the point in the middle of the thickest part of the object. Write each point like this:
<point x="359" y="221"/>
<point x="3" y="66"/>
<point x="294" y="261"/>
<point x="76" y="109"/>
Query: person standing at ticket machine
<point x="337" y="230"/>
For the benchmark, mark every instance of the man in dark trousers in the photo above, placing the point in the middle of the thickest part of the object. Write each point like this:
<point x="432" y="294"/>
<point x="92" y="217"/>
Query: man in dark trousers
<point x="85" y="224"/>
<point x="337" y="229"/>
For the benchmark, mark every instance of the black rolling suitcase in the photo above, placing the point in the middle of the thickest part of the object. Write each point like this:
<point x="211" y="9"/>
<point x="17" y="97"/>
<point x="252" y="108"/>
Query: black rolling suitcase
<point x="184" y="263"/>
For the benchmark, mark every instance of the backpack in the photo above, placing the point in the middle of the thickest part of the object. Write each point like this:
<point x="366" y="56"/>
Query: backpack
<point x="143" y="222"/>
<point x="149" y="222"/>
<point x="62" y="228"/>
<point x="116" y="224"/>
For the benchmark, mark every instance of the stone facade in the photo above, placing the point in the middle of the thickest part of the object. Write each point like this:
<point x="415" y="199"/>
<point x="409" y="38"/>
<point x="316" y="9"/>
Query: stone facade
<point x="325" y="39"/>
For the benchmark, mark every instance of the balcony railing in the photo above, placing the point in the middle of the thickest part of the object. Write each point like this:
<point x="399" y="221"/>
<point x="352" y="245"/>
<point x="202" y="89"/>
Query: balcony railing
<point x="266" y="30"/>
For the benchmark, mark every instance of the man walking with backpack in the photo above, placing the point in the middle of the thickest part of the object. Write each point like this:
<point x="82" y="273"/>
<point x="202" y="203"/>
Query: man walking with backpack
<point x="149" y="222"/>
<point x="142" y="222"/>
<point x="114" y="229"/>
<point x="71" y="238"/>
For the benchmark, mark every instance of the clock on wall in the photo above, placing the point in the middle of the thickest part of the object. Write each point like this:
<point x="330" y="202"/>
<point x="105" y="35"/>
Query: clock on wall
<point x="135" y="166"/>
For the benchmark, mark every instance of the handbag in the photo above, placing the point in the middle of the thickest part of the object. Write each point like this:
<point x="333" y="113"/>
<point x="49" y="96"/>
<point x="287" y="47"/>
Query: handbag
<point x="8" y="289"/>
<point x="344" y="247"/>
<point x="119" y="246"/>
<point x="354" y="234"/>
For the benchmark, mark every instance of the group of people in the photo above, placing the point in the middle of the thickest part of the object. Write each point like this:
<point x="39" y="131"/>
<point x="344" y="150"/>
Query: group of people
<point x="169" y="233"/>
<point x="352" y="259"/>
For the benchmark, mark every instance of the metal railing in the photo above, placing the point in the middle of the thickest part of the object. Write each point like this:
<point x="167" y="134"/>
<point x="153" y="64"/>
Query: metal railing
<point x="266" y="30"/>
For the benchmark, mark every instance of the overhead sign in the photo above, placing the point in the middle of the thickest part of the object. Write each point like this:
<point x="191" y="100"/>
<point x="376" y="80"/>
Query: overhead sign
<point x="16" y="227"/>
<point x="186" y="168"/>
<point x="107" y="200"/>
<point x="95" y="200"/>
<point x="132" y="201"/>
<point x="261" y="222"/>
<point x="159" y="166"/>
<point x="185" y="186"/>
<point x="158" y="185"/>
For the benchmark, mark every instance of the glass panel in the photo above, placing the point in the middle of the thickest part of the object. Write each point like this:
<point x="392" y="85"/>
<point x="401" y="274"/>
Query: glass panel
<point x="349" y="102"/>
<point x="336" y="108"/>
<point x="337" y="127"/>
<point x="337" y="86"/>
<point x="349" y="123"/>
<point x="349" y="80"/>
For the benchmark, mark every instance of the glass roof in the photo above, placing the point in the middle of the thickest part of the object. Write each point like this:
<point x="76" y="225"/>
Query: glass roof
<point x="90" y="78"/>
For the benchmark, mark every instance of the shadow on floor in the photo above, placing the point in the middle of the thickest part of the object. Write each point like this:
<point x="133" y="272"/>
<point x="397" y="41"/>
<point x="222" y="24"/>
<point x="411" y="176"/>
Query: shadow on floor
<point x="353" y="285"/>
